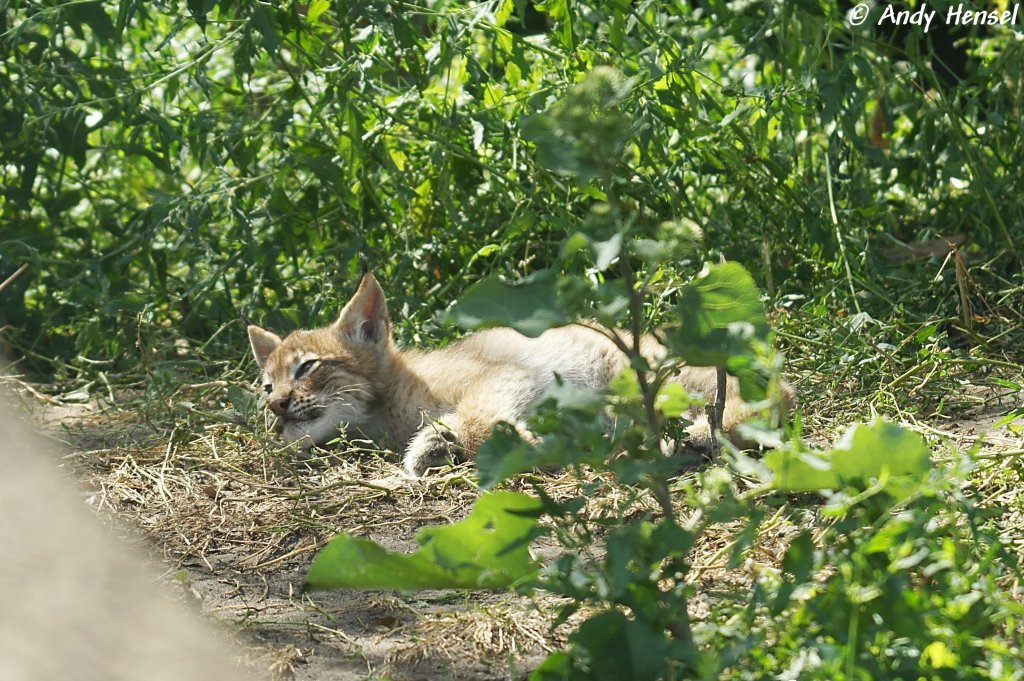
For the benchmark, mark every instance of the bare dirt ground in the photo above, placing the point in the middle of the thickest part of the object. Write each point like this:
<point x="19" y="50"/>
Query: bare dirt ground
<point x="236" y="523"/>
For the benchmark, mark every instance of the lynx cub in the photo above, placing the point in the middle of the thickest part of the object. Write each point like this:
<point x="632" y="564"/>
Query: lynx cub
<point x="428" y="403"/>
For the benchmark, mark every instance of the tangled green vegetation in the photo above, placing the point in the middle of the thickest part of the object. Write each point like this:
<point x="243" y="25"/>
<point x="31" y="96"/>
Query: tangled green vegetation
<point x="170" y="169"/>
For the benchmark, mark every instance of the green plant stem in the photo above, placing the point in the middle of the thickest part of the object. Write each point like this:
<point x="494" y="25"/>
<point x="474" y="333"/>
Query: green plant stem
<point x="658" y="485"/>
<point x="839" y="234"/>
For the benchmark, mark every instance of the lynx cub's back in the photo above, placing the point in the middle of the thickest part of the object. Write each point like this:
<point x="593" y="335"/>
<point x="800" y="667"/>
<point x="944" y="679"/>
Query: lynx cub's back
<point x="432" y="404"/>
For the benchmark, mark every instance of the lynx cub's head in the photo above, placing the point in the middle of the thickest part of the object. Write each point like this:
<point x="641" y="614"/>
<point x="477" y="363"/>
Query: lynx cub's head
<point x="320" y="381"/>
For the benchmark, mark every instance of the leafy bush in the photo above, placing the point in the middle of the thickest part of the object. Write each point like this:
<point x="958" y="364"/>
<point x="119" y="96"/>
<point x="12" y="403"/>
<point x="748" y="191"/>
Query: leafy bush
<point x="166" y="171"/>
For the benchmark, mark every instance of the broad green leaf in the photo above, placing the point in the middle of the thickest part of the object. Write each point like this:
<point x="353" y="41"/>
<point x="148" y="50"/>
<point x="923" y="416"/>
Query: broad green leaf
<point x="625" y="545"/>
<point x="531" y="306"/>
<point x="349" y="562"/>
<point x="720" y="313"/>
<point x="577" y="241"/>
<point x="937" y="655"/>
<point x="562" y="12"/>
<point x="611" y="302"/>
<point x="799" y="558"/>
<point x="625" y="386"/>
<point x="555" y="667"/>
<point x="752" y="378"/>
<point x="868" y="454"/>
<point x="513" y="74"/>
<point x="503" y="455"/>
<point x="490" y="547"/>
<point x="798" y="563"/>
<point x="620" y="648"/>
<point x="487" y="550"/>
<point x="486" y="250"/>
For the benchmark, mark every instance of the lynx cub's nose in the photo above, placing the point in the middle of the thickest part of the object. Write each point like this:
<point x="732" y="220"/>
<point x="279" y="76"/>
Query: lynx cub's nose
<point x="280" y="405"/>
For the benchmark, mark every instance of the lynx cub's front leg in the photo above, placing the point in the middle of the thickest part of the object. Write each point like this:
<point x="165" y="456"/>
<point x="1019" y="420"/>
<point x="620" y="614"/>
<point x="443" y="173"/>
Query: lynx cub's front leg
<point x="434" y="445"/>
<point x="454" y="437"/>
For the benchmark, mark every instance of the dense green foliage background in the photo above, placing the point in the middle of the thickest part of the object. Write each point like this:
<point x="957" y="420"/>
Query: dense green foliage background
<point x="170" y="167"/>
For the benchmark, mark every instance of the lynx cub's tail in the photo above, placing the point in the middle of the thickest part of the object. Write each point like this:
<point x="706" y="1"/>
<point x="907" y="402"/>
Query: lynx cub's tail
<point x="436" y="404"/>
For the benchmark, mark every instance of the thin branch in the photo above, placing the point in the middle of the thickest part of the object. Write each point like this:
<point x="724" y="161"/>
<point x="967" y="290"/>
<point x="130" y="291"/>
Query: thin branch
<point x="10" y="280"/>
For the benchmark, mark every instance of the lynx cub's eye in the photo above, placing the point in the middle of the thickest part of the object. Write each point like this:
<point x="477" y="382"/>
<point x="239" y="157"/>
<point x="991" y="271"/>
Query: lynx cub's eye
<point x="305" y="368"/>
<point x="268" y="388"/>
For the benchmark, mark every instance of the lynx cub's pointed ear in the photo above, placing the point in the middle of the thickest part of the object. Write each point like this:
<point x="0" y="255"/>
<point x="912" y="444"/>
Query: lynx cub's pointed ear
<point x="263" y="343"/>
<point x="365" y="317"/>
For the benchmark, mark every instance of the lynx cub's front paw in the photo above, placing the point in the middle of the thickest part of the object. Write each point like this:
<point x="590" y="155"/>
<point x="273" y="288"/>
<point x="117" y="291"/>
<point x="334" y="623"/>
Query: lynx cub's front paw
<point x="433" y="446"/>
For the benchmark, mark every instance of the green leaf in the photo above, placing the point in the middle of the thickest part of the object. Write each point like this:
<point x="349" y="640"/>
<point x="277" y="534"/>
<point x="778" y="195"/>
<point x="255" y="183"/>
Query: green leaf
<point x="487" y="550"/>
<point x="316" y="8"/>
<point x="72" y="135"/>
<point x="575" y="242"/>
<point x="799" y="558"/>
<point x="673" y="400"/>
<point x="513" y="74"/>
<point x="503" y="455"/>
<point x="620" y="648"/>
<point x="720" y="313"/>
<point x="502" y="12"/>
<point x="531" y="306"/>
<point x="811" y="7"/>
<point x="561" y="12"/>
<point x="199" y="9"/>
<point x="1010" y="418"/>
<point x="94" y="15"/>
<point x="606" y="252"/>
<point x="625" y="548"/>
<point x="937" y="655"/>
<point x="348" y="562"/>
<point x="555" y="149"/>
<point x="556" y="667"/>
<point x="877" y="454"/>
<point x="266" y="23"/>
